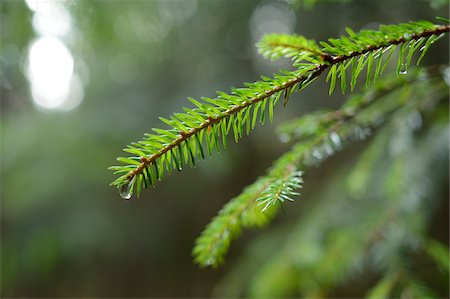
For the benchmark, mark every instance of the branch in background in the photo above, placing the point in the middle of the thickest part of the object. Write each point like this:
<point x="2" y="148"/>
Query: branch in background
<point x="355" y="120"/>
<point x="309" y="4"/>
<point x="337" y="241"/>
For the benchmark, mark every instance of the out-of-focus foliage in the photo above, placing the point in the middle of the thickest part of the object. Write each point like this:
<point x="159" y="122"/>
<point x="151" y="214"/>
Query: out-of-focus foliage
<point x="65" y="233"/>
<point x="332" y="130"/>
<point x="309" y="4"/>
<point x="371" y="222"/>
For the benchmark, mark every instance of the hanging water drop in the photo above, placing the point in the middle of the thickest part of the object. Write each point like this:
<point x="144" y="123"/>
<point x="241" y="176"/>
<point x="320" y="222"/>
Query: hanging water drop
<point x="126" y="191"/>
<point x="328" y="150"/>
<point x="209" y="262"/>
<point x="404" y="69"/>
<point x="358" y="133"/>
<point x="317" y="154"/>
<point x="336" y="139"/>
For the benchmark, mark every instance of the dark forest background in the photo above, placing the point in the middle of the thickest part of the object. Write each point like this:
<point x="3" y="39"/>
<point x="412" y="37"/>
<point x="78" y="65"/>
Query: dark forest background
<point x="65" y="232"/>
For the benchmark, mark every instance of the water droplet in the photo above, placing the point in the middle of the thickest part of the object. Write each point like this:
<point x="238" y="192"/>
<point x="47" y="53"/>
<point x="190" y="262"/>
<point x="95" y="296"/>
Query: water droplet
<point x="336" y="139"/>
<point x="328" y="150"/>
<point x="285" y="138"/>
<point x="406" y="35"/>
<point x="318" y="155"/>
<point x="358" y="133"/>
<point x="404" y="69"/>
<point x="363" y="133"/>
<point x="126" y="191"/>
<point x="209" y="262"/>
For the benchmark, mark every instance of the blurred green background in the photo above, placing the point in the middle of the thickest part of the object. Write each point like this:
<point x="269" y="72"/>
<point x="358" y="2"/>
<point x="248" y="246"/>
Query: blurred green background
<point x="81" y="79"/>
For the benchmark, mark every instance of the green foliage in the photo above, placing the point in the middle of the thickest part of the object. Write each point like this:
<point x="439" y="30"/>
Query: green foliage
<point x="296" y="47"/>
<point x="321" y="135"/>
<point x="204" y="129"/>
<point x="308" y="4"/>
<point x="383" y="288"/>
<point x="201" y="130"/>
<point x="280" y="191"/>
<point x="374" y="50"/>
<point x="380" y="229"/>
<point x="439" y="253"/>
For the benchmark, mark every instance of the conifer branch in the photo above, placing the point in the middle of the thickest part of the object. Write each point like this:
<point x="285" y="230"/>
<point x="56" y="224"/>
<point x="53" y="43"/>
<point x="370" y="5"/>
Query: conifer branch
<point x="394" y="40"/>
<point x="297" y="47"/>
<point x="214" y="119"/>
<point x="390" y="221"/>
<point x="355" y="120"/>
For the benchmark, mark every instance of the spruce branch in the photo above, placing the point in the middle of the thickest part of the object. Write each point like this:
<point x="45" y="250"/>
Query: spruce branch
<point x="214" y="119"/>
<point x="354" y="121"/>
<point x="238" y="112"/>
<point x="337" y="241"/>
<point x="297" y="47"/>
<point x="281" y="191"/>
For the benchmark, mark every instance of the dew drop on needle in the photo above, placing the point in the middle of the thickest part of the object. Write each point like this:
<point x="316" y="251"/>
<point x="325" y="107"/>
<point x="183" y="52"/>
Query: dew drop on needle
<point x="335" y="139"/>
<point x="317" y="154"/>
<point x="403" y="70"/>
<point x="125" y="191"/>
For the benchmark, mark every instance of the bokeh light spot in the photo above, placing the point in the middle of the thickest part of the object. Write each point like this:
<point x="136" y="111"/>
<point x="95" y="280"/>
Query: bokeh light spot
<point x="50" y="70"/>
